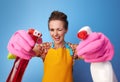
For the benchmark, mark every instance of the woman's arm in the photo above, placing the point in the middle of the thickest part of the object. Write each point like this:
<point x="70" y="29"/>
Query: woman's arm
<point x="42" y="49"/>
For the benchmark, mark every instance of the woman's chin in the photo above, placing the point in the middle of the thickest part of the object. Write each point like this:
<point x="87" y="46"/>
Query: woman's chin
<point x="57" y="41"/>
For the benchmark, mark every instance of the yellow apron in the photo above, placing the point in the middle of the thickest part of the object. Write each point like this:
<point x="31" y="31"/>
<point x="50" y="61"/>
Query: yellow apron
<point x="58" y="66"/>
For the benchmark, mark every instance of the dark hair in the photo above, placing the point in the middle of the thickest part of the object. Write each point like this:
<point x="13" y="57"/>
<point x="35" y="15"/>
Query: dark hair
<point x="57" y="15"/>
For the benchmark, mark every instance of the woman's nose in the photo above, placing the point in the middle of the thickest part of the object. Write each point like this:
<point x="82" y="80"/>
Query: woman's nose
<point x="55" y="33"/>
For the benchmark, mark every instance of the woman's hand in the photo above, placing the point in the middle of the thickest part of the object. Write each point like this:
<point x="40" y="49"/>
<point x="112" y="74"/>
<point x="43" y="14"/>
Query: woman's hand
<point x="21" y="45"/>
<point x="96" y="48"/>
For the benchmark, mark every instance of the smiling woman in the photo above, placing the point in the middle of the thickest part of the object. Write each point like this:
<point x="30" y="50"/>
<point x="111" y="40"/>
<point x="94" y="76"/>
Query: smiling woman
<point x="59" y="55"/>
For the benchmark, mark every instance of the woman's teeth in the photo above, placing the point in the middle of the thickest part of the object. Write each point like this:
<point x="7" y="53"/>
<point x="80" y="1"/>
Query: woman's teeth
<point x="57" y="38"/>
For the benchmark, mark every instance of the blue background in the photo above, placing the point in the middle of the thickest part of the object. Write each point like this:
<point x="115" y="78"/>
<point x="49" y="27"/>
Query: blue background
<point x="101" y="15"/>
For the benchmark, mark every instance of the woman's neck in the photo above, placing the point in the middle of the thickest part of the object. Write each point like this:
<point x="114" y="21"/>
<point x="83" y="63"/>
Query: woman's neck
<point x="60" y="45"/>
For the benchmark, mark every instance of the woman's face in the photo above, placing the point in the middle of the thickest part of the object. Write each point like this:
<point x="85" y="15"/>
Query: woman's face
<point x="57" y="31"/>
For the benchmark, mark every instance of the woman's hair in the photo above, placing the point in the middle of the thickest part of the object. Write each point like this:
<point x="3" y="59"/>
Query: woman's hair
<point x="57" y="15"/>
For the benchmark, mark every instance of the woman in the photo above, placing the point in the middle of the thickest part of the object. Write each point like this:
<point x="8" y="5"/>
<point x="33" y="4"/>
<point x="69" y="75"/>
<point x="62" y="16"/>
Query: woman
<point x="57" y="55"/>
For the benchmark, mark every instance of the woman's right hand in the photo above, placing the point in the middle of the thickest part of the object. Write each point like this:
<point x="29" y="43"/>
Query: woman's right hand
<point x="21" y="45"/>
<point x="96" y="48"/>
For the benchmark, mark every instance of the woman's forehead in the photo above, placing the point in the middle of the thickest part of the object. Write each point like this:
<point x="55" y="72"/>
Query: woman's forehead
<point x="56" y="24"/>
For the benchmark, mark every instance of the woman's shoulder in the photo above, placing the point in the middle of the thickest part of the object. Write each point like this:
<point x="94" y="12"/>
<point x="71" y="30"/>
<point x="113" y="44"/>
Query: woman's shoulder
<point x="72" y="45"/>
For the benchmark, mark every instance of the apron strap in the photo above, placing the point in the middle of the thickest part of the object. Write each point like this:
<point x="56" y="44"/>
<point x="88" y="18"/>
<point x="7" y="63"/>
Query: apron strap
<point x="66" y="46"/>
<point x="69" y="48"/>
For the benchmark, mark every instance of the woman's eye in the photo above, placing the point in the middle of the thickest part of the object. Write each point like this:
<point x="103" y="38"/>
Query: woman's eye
<point x="59" y="29"/>
<point x="51" y="29"/>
